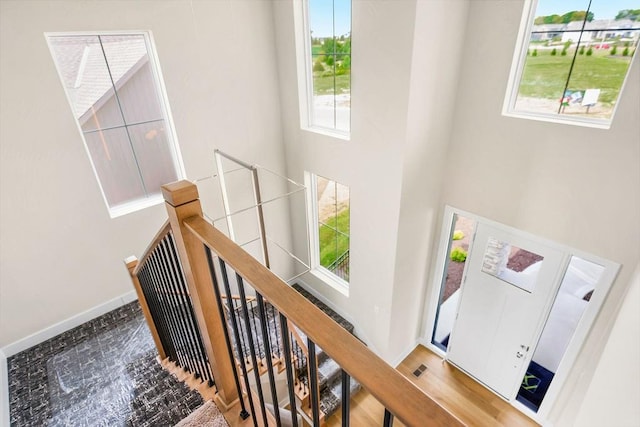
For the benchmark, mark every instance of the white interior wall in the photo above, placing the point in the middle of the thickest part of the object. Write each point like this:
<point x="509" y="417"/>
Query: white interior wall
<point x="370" y="163"/>
<point x="429" y="122"/>
<point x="618" y="370"/>
<point x="61" y="254"/>
<point x="574" y="185"/>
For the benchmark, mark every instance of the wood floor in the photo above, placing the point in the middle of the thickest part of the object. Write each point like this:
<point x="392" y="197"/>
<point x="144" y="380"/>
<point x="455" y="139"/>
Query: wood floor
<point x="471" y="402"/>
<point x="468" y="400"/>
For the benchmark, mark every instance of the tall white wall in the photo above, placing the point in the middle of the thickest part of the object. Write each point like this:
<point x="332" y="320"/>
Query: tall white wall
<point x="574" y="185"/>
<point x="433" y="78"/>
<point x="60" y="252"/>
<point x="400" y="120"/>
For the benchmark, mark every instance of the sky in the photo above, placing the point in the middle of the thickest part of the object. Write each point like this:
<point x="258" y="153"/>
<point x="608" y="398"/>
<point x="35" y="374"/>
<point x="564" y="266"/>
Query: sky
<point x="321" y="17"/>
<point x="602" y="9"/>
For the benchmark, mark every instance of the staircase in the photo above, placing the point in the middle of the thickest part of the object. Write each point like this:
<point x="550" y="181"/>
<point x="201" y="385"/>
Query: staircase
<point x="329" y="373"/>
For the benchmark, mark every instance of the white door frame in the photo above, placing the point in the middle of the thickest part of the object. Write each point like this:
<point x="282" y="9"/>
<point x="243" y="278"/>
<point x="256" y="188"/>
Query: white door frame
<point x="582" y="331"/>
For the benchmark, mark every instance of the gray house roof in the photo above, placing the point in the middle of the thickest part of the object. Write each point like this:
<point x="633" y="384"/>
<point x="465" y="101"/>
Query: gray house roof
<point x="82" y="66"/>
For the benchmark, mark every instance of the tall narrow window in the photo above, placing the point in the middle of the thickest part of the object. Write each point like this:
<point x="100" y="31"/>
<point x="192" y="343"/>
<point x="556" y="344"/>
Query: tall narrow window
<point x="329" y="32"/>
<point x="332" y="228"/>
<point x="574" y="60"/>
<point x="114" y="90"/>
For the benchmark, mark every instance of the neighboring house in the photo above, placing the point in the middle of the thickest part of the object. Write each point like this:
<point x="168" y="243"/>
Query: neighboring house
<point x="594" y="31"/>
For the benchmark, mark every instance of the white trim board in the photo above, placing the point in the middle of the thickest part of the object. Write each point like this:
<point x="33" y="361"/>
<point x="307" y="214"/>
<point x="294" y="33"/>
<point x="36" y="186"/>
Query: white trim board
<point x="70" y="323"/>
<point x="4" y="391"/>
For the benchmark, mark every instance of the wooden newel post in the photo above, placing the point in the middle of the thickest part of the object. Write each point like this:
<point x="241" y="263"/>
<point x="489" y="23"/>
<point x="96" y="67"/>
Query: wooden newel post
<point x="132" y="263"/>
<point x="181" y="200"/>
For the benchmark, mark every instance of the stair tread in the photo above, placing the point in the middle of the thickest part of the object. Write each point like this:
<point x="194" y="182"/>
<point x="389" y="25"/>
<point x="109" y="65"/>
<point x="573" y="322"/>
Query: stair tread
<point x="325" y="308"/>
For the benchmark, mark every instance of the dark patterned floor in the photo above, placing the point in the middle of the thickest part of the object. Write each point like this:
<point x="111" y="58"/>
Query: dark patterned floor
<point x="102" y="373"/>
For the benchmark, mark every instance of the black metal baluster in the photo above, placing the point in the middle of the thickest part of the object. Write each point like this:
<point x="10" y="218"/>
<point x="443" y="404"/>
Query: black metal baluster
<point x="192" y="330"/>
<point x="156" y="262"/>
<point x="267" y="356"/>
<point x="243" y="413"/>
<point x="234" y="324"/>
<point x="153" y="309"/>
<point x="286" y="344"/>
<point x="191" y="317"/>
<point x="254" y="359"/>
<point x="180" y="313"/>
<point x="164" y="305"/>
<point x="153" y="292"/>
<point x="313" y="383"/>
<point x="346" y="398"/>
<point x="388" y="418"/>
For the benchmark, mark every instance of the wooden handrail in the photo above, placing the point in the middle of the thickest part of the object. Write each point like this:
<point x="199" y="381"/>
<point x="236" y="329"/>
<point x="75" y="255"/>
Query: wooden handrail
<point x="161" y="234"/>
<point x="408" y="403"/>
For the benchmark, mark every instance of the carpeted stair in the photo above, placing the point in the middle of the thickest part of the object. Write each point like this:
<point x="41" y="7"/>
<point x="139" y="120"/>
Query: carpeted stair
<point x="329" y="373"/>
<point x="158" y="398"/>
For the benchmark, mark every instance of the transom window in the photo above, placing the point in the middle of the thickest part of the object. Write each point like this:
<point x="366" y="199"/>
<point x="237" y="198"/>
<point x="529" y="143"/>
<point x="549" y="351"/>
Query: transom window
<point x="329" y="48"/>
<point x="114" y="88"/>
<point x="331" y="229"/>
<point x="574" y="59"/>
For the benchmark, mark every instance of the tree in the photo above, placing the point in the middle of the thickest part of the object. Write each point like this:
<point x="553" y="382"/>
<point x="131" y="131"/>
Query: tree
<point x="576" y="15"/>
<point x="581" y="52"/>
<point x="625" y="52"/>
<point x="317" y="66"/>
<point x="632" y="14"/>
<point x="554" y="52"/>
<point x="614" y="50"/>
<point x="535" y="52"/>
<point x="590" y="51"/>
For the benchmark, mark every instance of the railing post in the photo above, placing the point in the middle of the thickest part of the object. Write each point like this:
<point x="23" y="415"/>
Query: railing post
<point x="132" y="263"/>
<point x="181" y="200"/>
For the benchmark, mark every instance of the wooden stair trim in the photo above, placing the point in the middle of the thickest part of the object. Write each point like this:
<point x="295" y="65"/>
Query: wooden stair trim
<point x="409" y="404"/>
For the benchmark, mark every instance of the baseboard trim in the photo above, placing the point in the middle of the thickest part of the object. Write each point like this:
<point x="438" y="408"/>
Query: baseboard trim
<point x="70" y="323"/>
<point x="4" y="391"/>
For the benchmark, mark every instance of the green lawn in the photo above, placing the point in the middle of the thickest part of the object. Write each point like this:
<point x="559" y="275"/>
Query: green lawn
<point x="323" y="85"/>
<point x="544" y="76"/>
<point x="334" y="237"/>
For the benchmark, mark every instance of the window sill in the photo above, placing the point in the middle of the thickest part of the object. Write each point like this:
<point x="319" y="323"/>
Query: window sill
<point x="333" y="133"/>
<point x="331" y="280"/>
<point x="135" y="205"/>
<point x="559" y="119"/>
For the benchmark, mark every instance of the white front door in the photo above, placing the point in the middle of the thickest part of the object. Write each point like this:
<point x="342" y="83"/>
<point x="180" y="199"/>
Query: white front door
<point x="506" y="296"/>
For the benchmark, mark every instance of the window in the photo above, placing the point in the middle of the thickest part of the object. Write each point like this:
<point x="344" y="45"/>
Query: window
<point x="329" y="47"/>
<point x="116" y="97"/>
<point x="330" y="229"/>
<point x="574" y="59"/>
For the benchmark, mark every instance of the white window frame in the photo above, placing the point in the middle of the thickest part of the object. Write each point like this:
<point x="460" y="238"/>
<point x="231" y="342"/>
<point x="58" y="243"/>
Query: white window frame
<point x="585" y="325"/>
<point x="153" y="199"/>
<point x="305" y="74"/>
<point x="515" y="75"/>
<point x="326" y="276"/>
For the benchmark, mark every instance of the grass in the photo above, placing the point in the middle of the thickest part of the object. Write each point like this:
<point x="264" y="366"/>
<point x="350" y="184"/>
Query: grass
<point x="334" y="237"/>
<point x="323" y="85"/>
<point x="544" y="76"/>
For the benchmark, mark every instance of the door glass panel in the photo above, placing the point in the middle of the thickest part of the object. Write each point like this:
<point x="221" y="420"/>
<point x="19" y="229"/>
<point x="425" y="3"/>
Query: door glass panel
<point x="459" y="239"/>
<point x="512" y="264"/>
<point x="575" y="292"/>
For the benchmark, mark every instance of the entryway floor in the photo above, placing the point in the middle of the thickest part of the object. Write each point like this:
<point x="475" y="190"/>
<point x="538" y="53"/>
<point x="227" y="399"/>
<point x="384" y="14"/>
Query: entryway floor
<point x="460" y="394"/>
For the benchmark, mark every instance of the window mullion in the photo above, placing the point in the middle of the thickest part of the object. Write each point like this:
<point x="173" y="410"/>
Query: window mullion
<point x="126" y="127"/>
